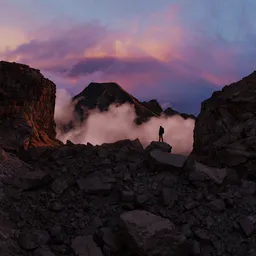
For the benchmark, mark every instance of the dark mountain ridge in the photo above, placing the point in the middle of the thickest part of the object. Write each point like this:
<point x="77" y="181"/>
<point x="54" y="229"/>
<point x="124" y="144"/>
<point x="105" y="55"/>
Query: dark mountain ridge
<point x="102" y="95"/>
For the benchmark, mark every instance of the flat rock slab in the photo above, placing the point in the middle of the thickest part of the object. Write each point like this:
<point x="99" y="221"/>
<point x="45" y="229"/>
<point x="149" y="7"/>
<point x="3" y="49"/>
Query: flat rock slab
<point x="173" y="160"/>
<point x="152" y="235"/>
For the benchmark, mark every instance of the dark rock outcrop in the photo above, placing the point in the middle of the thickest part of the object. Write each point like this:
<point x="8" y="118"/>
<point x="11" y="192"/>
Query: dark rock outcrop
<point x="27" y="102"/>
<point x="171" y="112"/>
<point x="225" y="130"/>
<point x="154" y="106"/>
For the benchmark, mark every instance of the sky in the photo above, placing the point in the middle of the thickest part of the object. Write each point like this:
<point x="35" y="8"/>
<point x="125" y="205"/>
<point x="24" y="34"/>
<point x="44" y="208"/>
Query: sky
<point x="175" y="51"/>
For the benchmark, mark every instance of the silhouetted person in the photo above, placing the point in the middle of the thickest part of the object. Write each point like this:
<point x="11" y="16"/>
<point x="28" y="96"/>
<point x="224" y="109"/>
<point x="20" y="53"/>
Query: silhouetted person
<point x="161" y="132"/>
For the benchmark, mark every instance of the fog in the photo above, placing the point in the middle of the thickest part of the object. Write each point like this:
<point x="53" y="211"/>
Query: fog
<point x="118" y="123"/>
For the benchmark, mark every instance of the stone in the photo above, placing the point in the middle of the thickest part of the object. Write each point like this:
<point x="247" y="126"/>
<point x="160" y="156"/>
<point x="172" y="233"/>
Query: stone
<point x="43" y="252"/>
<point x="85" y="246"/>
<point x="32" y="239"/>
<point x="167" y="159"/>
<point x="146" y="231"/>
<point x="186" y="230"/>
<point x="190" y="204"/>
<point x="60" y="185"/>
<point x="248" y="225"/>
<point x="110" y="239"/>
<point x="56" y="206"/>
<point x="202" y="234"/>
<point x="158" y="146"/>
<point x="94" y="186"/>
<point x="141" y="199"/>
<point x="128" y="196"/>
<point x="217" y="205"/>
<point x="247" y="188"/>
<point x="169" y="196"/>
<point x="32" y="180"/>
<point x="202" y="172"/>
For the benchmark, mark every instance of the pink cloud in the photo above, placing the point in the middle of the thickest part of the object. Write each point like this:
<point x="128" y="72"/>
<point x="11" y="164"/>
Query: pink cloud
<point x="165" y="57"/>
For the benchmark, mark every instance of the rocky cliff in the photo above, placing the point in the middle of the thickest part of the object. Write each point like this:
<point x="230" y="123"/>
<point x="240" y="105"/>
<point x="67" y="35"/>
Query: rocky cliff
<point x="225" y="130"/>
<point x="27" y="102"/>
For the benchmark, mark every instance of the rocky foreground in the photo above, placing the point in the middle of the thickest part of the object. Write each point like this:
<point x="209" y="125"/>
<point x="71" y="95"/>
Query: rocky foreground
<point x="120" y="199"/>
<point x="90" y="200"/>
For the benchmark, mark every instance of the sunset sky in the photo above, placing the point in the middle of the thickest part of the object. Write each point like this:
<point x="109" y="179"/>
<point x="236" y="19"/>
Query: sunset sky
<point x="176" y="51"/>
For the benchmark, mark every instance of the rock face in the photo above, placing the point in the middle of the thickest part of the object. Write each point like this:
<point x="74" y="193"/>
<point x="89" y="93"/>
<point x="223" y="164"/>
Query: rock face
<point x="27" y="102"/>
<point x="225" y="130"/>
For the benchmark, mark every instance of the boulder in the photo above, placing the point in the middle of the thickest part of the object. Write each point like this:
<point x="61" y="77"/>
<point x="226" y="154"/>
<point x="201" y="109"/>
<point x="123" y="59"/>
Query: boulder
<point x="225" y="129"/>
<point x="202" y="172"/>
<point x="159" y="146"/>
<point x="151" y="235"/>
<point x="27" y="102"/>
<point x="85" y="246"/>
<point x="166" y="160"/>
<point x="32" y="179"/>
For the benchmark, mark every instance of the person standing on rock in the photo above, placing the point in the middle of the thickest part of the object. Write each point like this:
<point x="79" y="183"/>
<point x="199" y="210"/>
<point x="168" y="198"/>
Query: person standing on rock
<point x="161" y="132"/>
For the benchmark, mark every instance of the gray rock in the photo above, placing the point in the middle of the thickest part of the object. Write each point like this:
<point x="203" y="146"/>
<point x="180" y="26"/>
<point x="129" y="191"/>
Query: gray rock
<point x="43" y="252"/>
<point x="141" y="199"/>
<point x="128" y="196"/>
<point x="94" y="186"/>
<point x="147" y="231"/>
<point x="85" y="246"/>
<point x="248" y="225"/>
<point x="32" y="239"/>
<point x="217" y="205"/>
<point x="202" y="172"/>
<point x="202" y="234"/>
<point x="60" y="185"/>
<point x="247" y="188"/>
<point x="32" y="180"/>
<point x="169" y="196"/>
<point x="167" y="159"/>
<point x="190" y="204"/>
<point x="110" y="239"/>
<point x="56" y="206"/>
<point x="159" y="146"/>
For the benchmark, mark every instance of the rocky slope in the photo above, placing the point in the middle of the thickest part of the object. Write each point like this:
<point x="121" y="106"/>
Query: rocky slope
<point x="108" y="200"/>
<point x="225" y="132"/>
<point x="27" y="101"/>
<point x="102" y="95"/>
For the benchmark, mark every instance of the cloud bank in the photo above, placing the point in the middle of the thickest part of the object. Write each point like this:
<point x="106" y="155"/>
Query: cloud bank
<point x="118" y="124"/>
